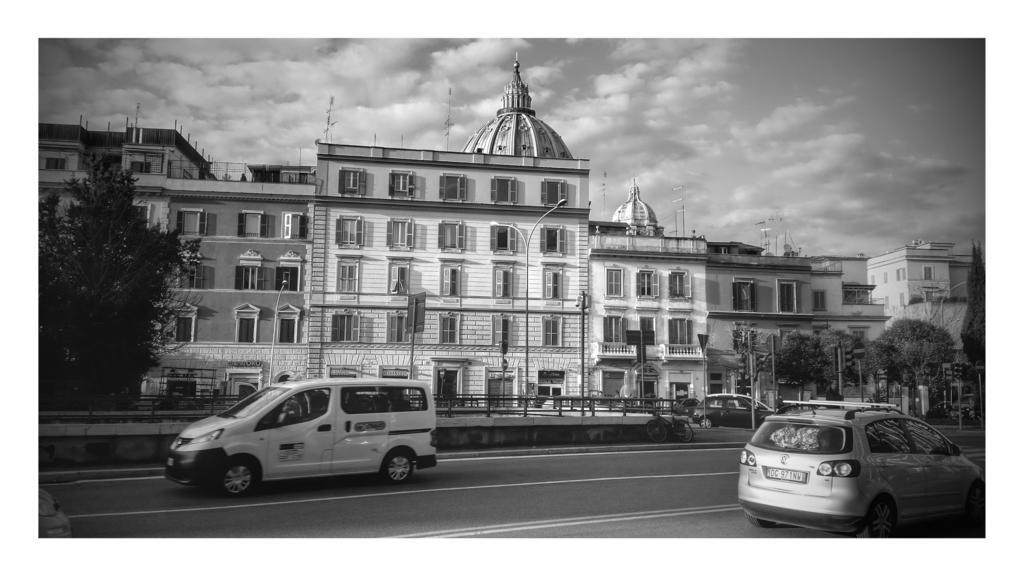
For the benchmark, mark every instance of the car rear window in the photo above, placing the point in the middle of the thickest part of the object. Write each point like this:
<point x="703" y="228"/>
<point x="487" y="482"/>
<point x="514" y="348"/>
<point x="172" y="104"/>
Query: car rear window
<point x="801" y="437"/>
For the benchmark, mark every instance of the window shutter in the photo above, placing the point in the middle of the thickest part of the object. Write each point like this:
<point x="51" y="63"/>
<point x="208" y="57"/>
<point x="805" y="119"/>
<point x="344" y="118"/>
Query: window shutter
<point x="261" y="278"/>
<point x="362" y="182"/>
<point x="440" y="187"/>
<point x="561" y="240"/>
<point x="354" y="318"/>
<point x="440" y="235"/>
<point x="390" y="233"/>
<point x="410" y="234"/>
<point x="241" y="224"/>
<point x="639" y="284"/>
<point x="655" y="283"/>
<point x="494" y="237"/>
<point x="562" y="192"/>
<point x="181" y="221"/>
<point x="753" y="296"/>
<point x="735" y="295"/>
<point x="286" y="226"/>
<point x="513" y="191"/>
<point x="202" y="223"/>
<point x="549" y="279"/>
<point x="239" y="270"/>
<point x="264" y="226"/>
<point x="303" y="226"/>
<point x="341" y="181"/>
<point x="337" y="231"/>
<point x="278" y="278"/>
<point x="359" y="231"/>
<point x="608" y="330"/>
<point x="494" y="189"/>
<point x="688" y="286"/>
<point x="689" y="332"/>
<point x="543" y="240"/>
<point x="335" y="328"/>
<point x="461" y="240"/>
<point x="391" y="184"/>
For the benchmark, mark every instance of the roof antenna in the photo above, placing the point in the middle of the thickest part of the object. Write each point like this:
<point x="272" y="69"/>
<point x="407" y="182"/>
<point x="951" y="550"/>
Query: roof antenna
<point x="448" y="121"/>
<point x="327" y="128"/>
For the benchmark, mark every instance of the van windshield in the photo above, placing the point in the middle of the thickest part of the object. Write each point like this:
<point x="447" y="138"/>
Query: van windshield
<point x="254" y="402"/>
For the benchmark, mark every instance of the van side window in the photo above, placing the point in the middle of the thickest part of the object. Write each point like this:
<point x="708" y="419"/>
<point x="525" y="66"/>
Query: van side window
<point x="405" y="399"/>
<point x="301" y="407"/>
<point x="362" y="400"/>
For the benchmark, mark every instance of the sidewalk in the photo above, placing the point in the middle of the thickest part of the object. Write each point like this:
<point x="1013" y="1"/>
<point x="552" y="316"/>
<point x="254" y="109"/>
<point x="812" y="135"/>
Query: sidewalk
<point x="705" y="439"/>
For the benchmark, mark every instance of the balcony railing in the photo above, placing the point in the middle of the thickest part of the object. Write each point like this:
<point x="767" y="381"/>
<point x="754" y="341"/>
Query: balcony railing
<point x="612" y="350"/>
<point x="680" y="352"/>
<point x="648" y="244"/>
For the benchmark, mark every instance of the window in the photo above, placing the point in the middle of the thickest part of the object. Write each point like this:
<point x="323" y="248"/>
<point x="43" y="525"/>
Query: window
<point x="501" y="326"/>
<point x="349" y="231"/>
<point x="885" y="277"/>
<point x="398" y="279"/>
<point x="552" y="283"/>
<point x="900" y="274"/>
<point x="678" y="285"/>
<point x="450" y="280"/>
<point x="396" y="327"/>
<point x="449" y="327"/>
<point x="647" y="327"/>
<point x="56" y="163"/>
<point x="193" y="277"/>
<point x="929" y="273"/>
<point x="503" y="238"/>
<point x="451" y="236"/>
<point x="192" y="222"/>
<point x="348" y="276"/>
<point x="552" y="331"/>
<point x="363" y="400"/>
<point x="301" y="407"/>
<point x="400" y="233"/>
<point x="614" y="331"/>
<point x="286" y="330"/>
<point x="452" y="187"/>
<point x="294" y="225"/>
<point x="139" y="166"/>
<point x="926" y="439"/>
<point x="680" y="331"/>
<point x="887" y="437"/>
<point x="551" y="191"/>
<point x="503" y="190"/>
<point x="744" y="295"/>
<point x="860" y="334"/>
<point x="552" y="240"/>
<point x="819" y="300"/>
<point x="183" y="330"/>
<point x="613" y="282"/>
<point x="646" y="284"/>
<point x="503" y="283"/>
<point x="405" y="399"/>
<point x="141" y="213"/>
<point x="246" y="329"/>
<point x="248" y="278"/>
<point x="401" y="184"/>
<point x="252" y="225"/>
<point x="351" y="181"/>
<point x="344" y="327"/>
<point x="787" y="296"/>
<point x="287" y="277"/>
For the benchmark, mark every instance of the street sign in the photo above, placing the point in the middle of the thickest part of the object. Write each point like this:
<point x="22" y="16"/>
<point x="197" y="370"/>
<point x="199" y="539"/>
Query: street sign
<point x="703" y="340"/>
<point x="416" y="318"/>
<point x="858" y="351"/>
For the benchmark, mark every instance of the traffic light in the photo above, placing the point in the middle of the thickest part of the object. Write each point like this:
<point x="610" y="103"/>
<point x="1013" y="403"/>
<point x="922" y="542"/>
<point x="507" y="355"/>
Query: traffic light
<point x="958" y="370"/>
<point x="848" y="358"/>
<point x="947" y="371"/>
<point x="581" y="301"/>
<point x="504" y="343"/>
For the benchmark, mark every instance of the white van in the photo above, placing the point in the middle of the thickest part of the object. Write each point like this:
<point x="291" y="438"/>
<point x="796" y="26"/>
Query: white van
<point x="310" y="428"/>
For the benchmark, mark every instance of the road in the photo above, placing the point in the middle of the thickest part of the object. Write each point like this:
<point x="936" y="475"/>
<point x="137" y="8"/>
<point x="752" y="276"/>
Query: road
<point x="624" y="494"/>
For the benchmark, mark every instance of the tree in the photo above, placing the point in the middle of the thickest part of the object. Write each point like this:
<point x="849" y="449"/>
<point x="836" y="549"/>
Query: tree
<point x="107" y="285"/>
<point x="912" y="350"/>
<point x="802" y="360"/>
<point x="973" y="332"/>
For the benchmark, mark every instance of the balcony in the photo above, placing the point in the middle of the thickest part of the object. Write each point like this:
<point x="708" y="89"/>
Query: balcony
<point x="613" y="351"/>
<point x="679" y="352"/>
<point x="656" y="244"/>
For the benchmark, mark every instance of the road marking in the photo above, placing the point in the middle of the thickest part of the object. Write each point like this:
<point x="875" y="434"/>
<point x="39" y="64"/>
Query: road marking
<point x="569" y="522"/>
<point x="402" y="493"/>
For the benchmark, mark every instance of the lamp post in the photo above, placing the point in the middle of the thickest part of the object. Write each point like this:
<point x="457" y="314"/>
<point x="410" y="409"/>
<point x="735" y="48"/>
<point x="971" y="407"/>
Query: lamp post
<point x="527" y="239"/>
<point x="273" y="341"/>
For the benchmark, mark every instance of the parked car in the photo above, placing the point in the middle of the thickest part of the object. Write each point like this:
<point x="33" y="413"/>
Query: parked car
<point x="855" y="468"/>
<point x="52" y="521"/>
<point x="725" y="410"/>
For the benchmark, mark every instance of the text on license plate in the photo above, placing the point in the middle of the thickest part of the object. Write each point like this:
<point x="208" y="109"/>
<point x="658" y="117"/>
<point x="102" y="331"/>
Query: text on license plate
<point x="786" y="475"/>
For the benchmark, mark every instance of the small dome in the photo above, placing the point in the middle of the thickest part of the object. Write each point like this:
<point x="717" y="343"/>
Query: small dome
<point x="636" y="213"/>
<point x="517" y="131"/>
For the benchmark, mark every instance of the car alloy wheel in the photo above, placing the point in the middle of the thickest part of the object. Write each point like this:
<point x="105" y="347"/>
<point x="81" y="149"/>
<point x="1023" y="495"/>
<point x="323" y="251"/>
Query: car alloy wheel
<point x="398" y="468"/>
<point x="238" y="479"/>
<point x="880" y="521"/>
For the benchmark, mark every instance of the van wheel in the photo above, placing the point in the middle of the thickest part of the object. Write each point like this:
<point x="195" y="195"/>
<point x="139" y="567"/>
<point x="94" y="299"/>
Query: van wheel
<point x="240" y="477"/>
<point x="397" y="467"/>
<point x="976" y="503"/>
<point x="880" y="520"/>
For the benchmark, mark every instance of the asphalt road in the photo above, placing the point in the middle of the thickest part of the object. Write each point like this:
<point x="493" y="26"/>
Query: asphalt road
<point x="623" y="494"/>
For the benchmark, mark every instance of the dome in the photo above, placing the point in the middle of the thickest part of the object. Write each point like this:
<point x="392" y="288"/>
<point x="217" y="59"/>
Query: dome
<point x="636" y="213"/>
<point x="517" y="131"/>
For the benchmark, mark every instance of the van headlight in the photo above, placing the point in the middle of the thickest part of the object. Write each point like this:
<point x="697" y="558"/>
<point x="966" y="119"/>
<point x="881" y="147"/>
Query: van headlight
<point x="209" y="437"/>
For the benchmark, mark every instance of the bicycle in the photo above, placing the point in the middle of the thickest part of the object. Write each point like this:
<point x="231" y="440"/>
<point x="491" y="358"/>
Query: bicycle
<point x="659" y="427"/>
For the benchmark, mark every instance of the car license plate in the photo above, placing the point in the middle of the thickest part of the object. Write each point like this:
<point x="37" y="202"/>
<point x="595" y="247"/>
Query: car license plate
<point x="785" y="475"/>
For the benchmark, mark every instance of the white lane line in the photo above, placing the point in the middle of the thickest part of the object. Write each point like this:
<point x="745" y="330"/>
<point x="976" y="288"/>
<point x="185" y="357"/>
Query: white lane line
<point x="388" y="494"/>
<point x="568" y="522"/>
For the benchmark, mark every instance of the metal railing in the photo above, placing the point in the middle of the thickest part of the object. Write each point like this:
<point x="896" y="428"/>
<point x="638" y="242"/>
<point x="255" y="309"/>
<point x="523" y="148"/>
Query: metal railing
<point x="490" y="405"/>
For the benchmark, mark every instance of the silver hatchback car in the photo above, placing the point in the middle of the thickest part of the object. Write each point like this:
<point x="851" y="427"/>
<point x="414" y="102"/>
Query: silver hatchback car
<point x="855" y="468"/>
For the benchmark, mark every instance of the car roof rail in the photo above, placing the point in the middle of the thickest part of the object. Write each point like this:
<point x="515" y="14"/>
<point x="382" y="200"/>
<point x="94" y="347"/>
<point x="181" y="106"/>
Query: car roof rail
<point x="852" y="407"/>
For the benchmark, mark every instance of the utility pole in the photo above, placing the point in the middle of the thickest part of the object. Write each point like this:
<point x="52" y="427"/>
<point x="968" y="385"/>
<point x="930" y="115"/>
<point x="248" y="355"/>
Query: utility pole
<point x="582" y="303"/>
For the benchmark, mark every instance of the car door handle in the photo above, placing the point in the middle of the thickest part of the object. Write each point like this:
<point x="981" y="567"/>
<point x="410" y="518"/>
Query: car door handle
<point x="348" y="426"/>
<point x="324" y="428"/>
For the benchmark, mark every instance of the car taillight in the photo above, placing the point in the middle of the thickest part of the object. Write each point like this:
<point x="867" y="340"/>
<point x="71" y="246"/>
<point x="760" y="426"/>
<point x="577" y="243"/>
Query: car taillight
<point x="839" y="468"/>
<point x="747" y="458"/>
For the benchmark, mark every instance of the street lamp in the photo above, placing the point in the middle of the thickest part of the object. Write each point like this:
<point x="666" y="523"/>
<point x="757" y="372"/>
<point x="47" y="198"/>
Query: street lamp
<point x="273" y="341"/>
<point x="527" y="239"/>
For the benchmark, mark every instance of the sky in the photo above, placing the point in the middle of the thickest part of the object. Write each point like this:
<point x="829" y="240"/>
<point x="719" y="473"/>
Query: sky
<point x="837" y="146"/>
